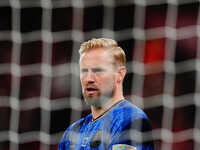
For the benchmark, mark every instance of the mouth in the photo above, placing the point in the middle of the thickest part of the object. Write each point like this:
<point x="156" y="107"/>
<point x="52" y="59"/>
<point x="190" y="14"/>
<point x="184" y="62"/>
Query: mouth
<point x="91" y="90"/>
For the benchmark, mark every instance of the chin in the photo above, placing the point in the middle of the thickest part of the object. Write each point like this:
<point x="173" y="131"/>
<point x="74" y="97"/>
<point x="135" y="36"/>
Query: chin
<point x="91" y="101"/>
<point x="96" y="101"/>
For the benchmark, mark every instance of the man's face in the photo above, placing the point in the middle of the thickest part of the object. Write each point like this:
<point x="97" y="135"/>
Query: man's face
<point x="98" y="76"/>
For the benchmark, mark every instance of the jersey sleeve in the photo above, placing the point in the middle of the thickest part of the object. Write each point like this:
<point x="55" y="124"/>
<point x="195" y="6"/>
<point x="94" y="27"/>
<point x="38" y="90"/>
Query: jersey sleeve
<point x="136" y="135"/>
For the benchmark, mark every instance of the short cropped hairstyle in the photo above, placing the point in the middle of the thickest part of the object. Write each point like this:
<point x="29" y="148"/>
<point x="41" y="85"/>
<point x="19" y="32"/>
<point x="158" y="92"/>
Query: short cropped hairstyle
<point x="109" y="44"/>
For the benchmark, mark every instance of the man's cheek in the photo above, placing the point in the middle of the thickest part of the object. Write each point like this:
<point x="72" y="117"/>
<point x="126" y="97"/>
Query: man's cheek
<point x="107" y="86"/>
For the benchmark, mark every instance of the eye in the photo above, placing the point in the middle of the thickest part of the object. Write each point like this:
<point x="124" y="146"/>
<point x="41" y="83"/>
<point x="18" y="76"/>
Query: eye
<point x="96" y="70"/>
<point x="84" y="70"/>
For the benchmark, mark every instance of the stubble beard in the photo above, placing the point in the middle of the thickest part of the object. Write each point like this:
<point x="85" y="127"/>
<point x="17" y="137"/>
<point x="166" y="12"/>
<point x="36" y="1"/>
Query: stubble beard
<point x="98" y="100"/>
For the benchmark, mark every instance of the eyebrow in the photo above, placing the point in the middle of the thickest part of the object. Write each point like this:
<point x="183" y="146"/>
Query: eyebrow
<point x="96" y="69"/>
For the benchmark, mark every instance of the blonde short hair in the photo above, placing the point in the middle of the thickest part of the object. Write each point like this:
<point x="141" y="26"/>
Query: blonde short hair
<point x="108" y="44"/>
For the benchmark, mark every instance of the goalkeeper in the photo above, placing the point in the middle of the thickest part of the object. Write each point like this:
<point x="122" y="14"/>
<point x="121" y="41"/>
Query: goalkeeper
<point x="114" y="122"/>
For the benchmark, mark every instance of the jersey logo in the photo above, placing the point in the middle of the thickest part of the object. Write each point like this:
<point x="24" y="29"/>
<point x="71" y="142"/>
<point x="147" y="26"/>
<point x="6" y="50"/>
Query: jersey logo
<point x="85" y="141"/>
<point x="96" y="139"/>
<point x="123" y="147"/>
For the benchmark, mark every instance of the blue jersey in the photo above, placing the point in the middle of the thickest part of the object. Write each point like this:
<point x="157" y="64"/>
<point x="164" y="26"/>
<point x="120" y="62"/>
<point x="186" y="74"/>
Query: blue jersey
<point x="124" y="126"/>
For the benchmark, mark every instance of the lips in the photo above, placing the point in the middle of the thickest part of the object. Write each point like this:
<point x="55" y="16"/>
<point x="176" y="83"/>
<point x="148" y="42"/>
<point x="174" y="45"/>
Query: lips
<point x="91" y="90"/>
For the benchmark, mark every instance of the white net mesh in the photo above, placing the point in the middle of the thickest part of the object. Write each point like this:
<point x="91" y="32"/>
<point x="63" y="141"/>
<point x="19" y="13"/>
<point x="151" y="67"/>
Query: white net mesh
<point x="40" y="93"/>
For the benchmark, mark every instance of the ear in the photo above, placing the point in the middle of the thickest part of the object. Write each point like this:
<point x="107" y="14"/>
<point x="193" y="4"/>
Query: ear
<point x="121" y="74"/>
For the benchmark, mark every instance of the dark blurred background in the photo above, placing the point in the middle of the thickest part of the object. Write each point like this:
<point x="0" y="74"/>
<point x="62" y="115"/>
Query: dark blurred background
<point x="40" y="93"/>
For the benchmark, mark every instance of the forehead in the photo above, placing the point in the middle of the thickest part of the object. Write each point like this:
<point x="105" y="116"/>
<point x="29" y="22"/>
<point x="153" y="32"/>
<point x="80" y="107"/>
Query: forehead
<point x="96" y="57"/>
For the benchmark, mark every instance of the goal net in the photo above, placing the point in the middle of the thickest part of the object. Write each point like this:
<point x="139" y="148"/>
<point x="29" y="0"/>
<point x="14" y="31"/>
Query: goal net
<point x="40" y="91"/>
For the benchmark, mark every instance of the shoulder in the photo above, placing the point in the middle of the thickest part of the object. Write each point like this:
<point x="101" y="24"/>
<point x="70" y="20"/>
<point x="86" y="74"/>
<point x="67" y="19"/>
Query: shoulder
<point x="70" y="134"/>
<point x="128" y="116"/>
<point x="132" y="126"/>
<point x="76" y="126"/>
<point x="80" y="123"/>
<point x="128" y="111"/>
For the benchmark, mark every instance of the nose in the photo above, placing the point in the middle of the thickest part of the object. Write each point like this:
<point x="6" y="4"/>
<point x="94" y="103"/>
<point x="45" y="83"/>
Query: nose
<point x="90" y="77"/>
